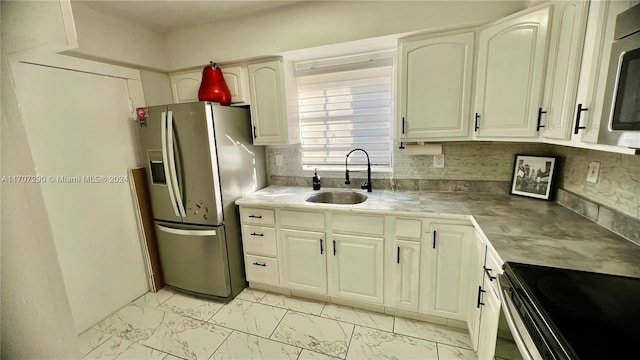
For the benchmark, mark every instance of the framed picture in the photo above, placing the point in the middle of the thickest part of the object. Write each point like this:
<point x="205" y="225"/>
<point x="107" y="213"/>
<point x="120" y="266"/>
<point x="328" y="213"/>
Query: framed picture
<point x="533" y="176"/>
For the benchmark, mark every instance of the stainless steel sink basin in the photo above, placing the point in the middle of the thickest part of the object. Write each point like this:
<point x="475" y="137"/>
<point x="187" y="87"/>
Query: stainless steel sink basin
<point x="338" y="197"/>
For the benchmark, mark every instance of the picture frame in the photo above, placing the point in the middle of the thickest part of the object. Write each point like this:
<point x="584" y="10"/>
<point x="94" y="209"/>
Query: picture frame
<point x="533" y="176"/>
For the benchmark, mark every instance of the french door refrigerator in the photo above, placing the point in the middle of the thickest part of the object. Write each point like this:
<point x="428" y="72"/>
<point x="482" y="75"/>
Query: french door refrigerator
<point x="200" y="159"/>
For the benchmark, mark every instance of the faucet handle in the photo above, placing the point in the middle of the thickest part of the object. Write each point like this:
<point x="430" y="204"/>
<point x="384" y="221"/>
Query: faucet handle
<point x="346" y="177"/>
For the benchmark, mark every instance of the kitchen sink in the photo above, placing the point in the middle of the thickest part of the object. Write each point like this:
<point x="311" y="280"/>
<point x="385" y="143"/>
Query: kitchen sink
<point x="338" y="197"/>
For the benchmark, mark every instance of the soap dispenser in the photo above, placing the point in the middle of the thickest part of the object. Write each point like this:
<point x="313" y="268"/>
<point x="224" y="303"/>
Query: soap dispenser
<point x="316" y="180"/>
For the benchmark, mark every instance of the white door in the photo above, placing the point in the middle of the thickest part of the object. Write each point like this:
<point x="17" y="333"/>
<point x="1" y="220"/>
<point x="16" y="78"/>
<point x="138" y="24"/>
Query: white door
<point x="476" y="273"/>
<point x="446" y="292"/>
<point x="563" y="68"/>
<point x="356" y="264"/>
<point x="511" y="61"/>
<point x="185" y="86"/>
<point x="304" y="260"/>
<point x="268" y="113"/>
<point x="435" y="87"/>
<point x="80" y="129"/>
<point x="406" y="275"/>
<point x="489" y="322"/>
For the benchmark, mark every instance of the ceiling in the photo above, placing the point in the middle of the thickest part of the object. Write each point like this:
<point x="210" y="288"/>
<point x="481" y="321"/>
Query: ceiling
<point x="169" y="15"/>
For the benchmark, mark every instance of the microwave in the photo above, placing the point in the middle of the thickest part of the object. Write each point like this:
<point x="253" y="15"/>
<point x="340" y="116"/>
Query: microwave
<point x="620" y="122"/>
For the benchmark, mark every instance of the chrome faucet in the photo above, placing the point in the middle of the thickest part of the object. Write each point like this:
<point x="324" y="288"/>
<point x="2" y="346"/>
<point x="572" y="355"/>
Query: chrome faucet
<point x="367" y="184"/>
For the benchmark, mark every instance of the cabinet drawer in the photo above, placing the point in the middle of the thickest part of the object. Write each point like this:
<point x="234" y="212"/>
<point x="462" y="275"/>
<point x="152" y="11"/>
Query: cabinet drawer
<point x="257" y="216"/>
<point x="259" y="240"/>
<point x="358" y="224"/>
<point x="302" y="220"/>
<point x="262" y="270"/>
<point x="409" y="228"/>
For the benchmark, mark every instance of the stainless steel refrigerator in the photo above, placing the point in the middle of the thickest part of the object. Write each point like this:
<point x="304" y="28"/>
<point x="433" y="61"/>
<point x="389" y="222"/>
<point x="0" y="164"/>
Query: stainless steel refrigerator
<point x="200" y="159"/>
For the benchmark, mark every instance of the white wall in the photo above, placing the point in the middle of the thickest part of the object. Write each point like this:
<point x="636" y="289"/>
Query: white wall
<point x="315" y="23"/>
<point x="86" y="130"/>
<point x="105" y="37"/>
<point x="35" y="317"/>
<point x="157" y="88"/>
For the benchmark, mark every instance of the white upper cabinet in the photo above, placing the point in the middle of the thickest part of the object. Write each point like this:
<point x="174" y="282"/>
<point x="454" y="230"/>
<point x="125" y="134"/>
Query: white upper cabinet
<point x="584" y="120"/>
<point x="185" y="85"/>
<point x="510" y="75"/>
<point x="237" y="78"/>
<point x="556" y="114"/>
<point x="434" y="86"/>
<point x="274" y="103"/>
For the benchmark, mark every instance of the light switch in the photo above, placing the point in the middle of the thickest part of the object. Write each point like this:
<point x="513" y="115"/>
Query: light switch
<point x="594" y="172"/>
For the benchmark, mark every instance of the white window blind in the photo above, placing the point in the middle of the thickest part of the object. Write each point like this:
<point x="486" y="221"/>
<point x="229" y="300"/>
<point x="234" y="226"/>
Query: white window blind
<point x="340" y="111"/>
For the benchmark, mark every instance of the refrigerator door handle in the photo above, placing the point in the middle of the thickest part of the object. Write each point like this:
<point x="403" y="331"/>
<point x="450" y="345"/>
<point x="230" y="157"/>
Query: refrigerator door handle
<point x="172" y="196"/>
<point x="187" y="232"/>
<point x="172" y="165"/>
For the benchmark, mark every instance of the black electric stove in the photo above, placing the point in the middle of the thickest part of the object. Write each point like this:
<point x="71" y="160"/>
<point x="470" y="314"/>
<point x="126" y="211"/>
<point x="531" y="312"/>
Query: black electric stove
<point x="578" y="314"/>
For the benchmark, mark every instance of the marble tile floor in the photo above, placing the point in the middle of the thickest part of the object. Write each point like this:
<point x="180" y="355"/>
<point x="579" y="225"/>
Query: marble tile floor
<point x="259" y="325"/>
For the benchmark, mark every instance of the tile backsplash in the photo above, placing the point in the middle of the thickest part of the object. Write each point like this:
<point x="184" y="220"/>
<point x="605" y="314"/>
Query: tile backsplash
<point x="486" y="167"/>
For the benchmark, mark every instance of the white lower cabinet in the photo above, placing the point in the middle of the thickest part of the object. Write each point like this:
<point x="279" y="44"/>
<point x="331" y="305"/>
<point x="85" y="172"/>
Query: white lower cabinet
<point x="304" y="260"/>
<point x="476" y="274"/>
<point x="405" y="263"/>
<point x="356" y="267"/>
<point x="488" y="332"/>
<point x="444" y="277"/>
<point x="406" y="275"/>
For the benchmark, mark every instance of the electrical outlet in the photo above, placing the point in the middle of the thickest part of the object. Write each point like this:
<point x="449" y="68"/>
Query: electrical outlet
<point x="594" y="172"/>
<point x="438" y="161"/>
<point x="279" y="160"/>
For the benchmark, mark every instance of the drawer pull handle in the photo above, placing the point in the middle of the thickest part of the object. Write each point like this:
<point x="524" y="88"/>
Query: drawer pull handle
<point x="321" y="248"/>
<point x="578" y="115"/>
<point x="257" y="234"/>
<point x="256" y="216"/>
<point x="488" y="272"/>
<point x="398" y="255"/>
<point x="434" y="239"/>
<point x="540" y="112"/>
<point x="476" y="126"/>
<point x="259" y="264"/>
<point x="334" y="248"/>
<point x="480" y="291"/>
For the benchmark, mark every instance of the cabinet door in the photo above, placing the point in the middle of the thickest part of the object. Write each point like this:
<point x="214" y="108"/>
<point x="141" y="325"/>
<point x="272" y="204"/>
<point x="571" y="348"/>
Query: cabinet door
<point x="595" y="64"/>
<point x="435" y="87"/>
<point x="234" y="77"/>
<point x="563" y="68"/>
<point x="511" y="60"/>
<point x="446" y="274"/>
<point x="304" y="260"/>
<point x="356" y="266"/>
<point x="489" y="322"/>
<point x="406" y="275"/>
<point x="185" y="86"/>
<point x="268" y="112"/>
<point x="476" y="261"/>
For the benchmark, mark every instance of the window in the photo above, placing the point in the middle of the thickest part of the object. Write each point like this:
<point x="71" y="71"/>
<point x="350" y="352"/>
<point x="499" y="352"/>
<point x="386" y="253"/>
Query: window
<point x="343" y="107"/>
